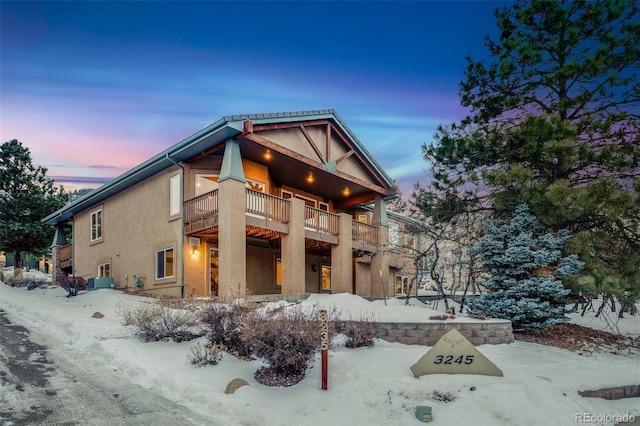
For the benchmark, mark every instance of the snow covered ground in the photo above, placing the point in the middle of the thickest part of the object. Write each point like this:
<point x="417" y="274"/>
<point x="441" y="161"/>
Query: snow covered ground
<point x="367" y="386"/>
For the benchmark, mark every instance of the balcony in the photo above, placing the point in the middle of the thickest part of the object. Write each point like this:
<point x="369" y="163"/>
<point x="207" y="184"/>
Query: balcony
<point x="201" y="213"/>
<point x="365" y="236"/>
<point x="66" y="256"/>
<point x="267" y="215"/>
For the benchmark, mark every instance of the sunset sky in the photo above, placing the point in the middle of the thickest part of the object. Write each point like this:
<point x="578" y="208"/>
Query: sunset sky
<point x="95" y="88"/>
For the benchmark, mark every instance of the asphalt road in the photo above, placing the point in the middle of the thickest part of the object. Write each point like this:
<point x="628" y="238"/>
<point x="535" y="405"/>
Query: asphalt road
<point x="42" y="386"/>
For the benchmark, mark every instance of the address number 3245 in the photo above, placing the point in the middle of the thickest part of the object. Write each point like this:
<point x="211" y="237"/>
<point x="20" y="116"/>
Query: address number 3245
<point x="451" y="359"/>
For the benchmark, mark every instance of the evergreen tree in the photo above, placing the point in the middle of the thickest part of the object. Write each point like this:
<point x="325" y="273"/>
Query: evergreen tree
<point x="554" y="124"/>
<point x="523" y="270"/>
<point x="27" y="196"/>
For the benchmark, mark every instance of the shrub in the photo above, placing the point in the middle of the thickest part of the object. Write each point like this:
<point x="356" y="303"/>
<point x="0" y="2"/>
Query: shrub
<point x="223" y="324"/>
<point x="287" y="341"/>
<point x="201" y="356"/>
<point x="361" y="332"/>
<point x="73" y="285"/>
<point x="524" y="268"/>
<point x="29" y="283"/>
<point x="155" y="320"/>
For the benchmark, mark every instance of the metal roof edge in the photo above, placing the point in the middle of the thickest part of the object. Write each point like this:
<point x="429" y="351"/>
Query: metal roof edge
<point x="126" y="179"/>
<point x="283" y="117"/>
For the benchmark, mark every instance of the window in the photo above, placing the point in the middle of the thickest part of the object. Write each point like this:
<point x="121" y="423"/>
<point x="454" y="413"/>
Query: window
<point x="278" y="271"/>
<point x="104" y="270"/>
<point x="255" y="185"/>
<point x="174" y="195"/>
<point x="164" y="263"/>
<point x="402" y="284"/>
<point x="362" y="218"/>
<point x="394" y="235"/>
<point x="206" y="183"/>
<point x="96" y="225"/>
<point x="325" y="276"/>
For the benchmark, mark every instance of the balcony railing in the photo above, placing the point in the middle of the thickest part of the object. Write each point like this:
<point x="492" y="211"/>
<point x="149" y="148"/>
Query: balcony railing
<point x="321" y="221"/>
<point x="65" y="256"/>
<point x="364" y="233"/>
<point x="201" y="212"/>
<point x="267" y="206"/>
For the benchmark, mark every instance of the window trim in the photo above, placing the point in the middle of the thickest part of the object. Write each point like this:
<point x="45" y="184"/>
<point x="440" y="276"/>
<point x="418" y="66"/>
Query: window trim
<point x="395" y="240"/>
<point x="322" y="289"/>
<point x="278" y="265"/>
<point x="175" y="196"/>
<point x="206" y="176"/>
<point x="104" y="266"/>
<point x="165" y="250"/>
<point x="96" y="229"/>
<point x="402" y="279"/>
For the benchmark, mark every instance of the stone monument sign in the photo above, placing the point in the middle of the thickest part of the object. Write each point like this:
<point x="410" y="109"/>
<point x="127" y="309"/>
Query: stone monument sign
<point x="454" y="354"/>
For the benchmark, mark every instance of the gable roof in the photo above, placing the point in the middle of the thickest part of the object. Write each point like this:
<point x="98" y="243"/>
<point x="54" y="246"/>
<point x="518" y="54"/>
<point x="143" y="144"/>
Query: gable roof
<point x="227" y="127"/>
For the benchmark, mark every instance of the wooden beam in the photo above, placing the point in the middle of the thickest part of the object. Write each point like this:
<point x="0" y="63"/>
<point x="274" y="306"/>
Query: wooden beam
<point x="380" y="190"/>
<point x="355" y="201"/>
<point x="312" y="143"/>
<point x="278" y="148"/>
<point x="363" y="162"/>
<point x="328" y="142"/>
<point x="345" y="156"/>
<point x="247" y="127"/>
<point x="206" y="153"/>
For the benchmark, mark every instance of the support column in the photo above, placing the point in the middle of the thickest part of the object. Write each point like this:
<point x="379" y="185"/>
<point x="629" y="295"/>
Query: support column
<point x="232" y="240"/>
<point x="380" y="274"/>
<point x="341" y="257"/>
<point x="293" y="251"/>
<point x="59" y="240"/>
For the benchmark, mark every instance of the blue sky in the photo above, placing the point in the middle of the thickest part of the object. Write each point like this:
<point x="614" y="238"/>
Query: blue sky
<point x="95" y="88"/>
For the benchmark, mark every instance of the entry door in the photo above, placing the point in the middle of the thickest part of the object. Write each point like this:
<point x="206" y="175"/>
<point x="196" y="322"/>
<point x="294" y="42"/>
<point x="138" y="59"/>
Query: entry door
<point x="213" y="272"/>
<point x="325" y="278"/>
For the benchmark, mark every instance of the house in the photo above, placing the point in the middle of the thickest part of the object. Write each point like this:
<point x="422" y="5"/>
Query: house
<point x="253" y="204"/>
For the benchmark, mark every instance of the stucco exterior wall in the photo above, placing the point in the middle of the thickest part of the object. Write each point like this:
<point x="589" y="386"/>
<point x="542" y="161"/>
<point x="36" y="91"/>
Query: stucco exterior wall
<point x="261" y="274"/>
<point x="135" y="223"/>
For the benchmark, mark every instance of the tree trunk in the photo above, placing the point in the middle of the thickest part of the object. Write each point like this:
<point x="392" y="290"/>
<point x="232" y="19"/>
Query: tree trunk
<point x="17" y="265"/>
<point x="406" y="301"/>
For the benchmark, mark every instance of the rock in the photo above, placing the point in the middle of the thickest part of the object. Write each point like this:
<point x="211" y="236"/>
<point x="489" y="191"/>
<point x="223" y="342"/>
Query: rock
<point x="97" y="315"/>
<point x="235" y="384"/>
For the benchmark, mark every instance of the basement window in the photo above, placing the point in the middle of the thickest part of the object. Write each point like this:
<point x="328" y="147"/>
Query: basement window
<point x="104" y="270"/>
<point x="164" y="263"/>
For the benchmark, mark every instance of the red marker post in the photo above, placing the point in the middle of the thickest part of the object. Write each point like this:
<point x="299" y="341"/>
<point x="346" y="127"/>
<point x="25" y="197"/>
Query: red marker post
<point x="324" y="346"/>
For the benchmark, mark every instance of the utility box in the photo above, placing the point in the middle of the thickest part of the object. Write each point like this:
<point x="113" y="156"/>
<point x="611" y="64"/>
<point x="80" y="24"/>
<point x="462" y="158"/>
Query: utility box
<point x="96" y="283"/>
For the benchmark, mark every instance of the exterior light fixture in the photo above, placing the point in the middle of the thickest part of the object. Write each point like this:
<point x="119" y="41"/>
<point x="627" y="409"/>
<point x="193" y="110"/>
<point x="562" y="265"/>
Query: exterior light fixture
<point x="267" y="155"/>
<point x="310" y="178"/>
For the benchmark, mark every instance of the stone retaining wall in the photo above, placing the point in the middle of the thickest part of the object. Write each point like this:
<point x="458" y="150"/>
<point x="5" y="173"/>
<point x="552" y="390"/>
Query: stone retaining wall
<point x="492" y="332"/>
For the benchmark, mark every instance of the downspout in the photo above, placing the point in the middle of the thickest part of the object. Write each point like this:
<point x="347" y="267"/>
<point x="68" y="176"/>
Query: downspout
<point x="181" y="221"/>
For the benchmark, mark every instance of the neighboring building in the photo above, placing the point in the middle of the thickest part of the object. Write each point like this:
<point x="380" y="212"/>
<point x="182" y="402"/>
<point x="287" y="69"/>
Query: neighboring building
<point x="252" y="204"/>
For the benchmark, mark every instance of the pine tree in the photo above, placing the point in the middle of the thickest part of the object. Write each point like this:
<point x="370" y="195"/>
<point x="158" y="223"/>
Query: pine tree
<point x="523" y="271"/>
<point x="27" y="196"/>
<point x="554" y="124"/>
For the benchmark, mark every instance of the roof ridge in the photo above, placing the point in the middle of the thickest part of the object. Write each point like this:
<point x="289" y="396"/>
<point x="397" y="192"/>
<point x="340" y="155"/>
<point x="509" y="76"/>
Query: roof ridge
<point x="281" y="114"/>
